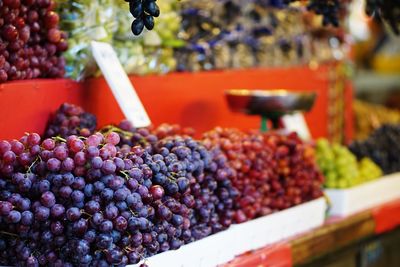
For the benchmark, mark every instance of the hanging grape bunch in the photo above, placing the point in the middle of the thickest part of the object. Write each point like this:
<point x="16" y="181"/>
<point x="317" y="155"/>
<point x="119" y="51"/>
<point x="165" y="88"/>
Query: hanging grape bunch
<point x="328" y="9"/>
<point x="144" y="12"/>
<point x="389" y="10"/>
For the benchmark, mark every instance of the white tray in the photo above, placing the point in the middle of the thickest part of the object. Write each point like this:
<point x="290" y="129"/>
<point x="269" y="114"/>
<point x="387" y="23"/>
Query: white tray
<point x="349" y="201"/>
<point x="224" y="246"/>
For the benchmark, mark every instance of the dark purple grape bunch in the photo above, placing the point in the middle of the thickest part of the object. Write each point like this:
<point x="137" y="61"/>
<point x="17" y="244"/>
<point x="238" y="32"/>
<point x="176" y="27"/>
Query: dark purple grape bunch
<point x="74" y="202"/>
<point x="388" y="10"/>
<point x="382" y="147"/>
<point x="69" y="120"/>
<point x="144" y="12"/>
<point x="329" y="9"/>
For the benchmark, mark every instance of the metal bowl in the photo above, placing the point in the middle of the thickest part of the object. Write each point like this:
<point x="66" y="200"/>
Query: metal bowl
<point x="269" y="102"/>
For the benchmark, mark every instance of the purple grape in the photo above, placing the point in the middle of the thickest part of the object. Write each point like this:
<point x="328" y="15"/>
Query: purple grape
<point x="48" y="199"/>
<point x="73" y="214"/>
<point x="42" y="213"/>
<point x="106" y="226"/>
<point x="57" y="211"/>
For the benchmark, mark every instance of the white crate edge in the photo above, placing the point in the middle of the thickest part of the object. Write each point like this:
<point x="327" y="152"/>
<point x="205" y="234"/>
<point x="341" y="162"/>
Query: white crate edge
<point x="224" y="246"/>
<point x="345" y="202"/>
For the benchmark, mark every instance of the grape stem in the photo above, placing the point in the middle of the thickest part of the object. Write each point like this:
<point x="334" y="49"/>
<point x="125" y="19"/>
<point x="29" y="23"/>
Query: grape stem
<point x="125" y="174"/>
<point x="108" y="129"/>
<point x="33" y="163"/>
<point x="7" y="233"/>
<point x="59" y="138"/>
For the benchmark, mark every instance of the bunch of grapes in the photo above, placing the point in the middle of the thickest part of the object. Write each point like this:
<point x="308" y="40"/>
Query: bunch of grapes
<point x="204" y="188"/>
<point x="69" y="120"/>
<point x="30" y="41"/>
<point x="328" y="9"/>
<point x="382" y="147"/>
<point x="389" y="10"/>
<point x="299" y="179"/>
<point x="144" y="12"/>
<point x="78" y="195"/>
<point x="271" y="171"/>
<point x="251" y="172"/>
<point x="341" y="168"/>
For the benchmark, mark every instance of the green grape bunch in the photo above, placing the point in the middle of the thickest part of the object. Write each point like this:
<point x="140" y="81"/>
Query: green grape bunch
<point x="341" y="168"/>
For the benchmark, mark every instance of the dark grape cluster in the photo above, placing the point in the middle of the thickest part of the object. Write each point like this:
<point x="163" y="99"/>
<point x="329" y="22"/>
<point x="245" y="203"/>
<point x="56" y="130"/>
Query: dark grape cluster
<point x="144" y="12"/>
<point x="69" y="120"/>
<point x="382" y="147"/>
<point x="389" y="10"/>
<point x="328" y="9"/>
<point x="30" y="41"/>
<point x="74" y="202"/>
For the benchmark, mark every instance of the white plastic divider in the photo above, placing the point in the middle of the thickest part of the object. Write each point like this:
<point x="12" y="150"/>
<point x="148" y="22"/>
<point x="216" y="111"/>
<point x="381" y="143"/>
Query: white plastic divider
<point x="349" y="201"/>
<point x="224" y="246"/>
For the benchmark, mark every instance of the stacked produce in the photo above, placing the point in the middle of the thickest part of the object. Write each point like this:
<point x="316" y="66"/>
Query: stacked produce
<point x="341" y="168"/>
<point x="30" y="41"/>
<point x="195" y="35"/>
<point x="122" y="194"/>
<point x="271" y="171"/>
<point x="71" y="120"/>
<point x="85" y="21"/>
<point x="369" y="117"/>
<point x="382" y="146"/>
<point x="242" y="34"/>
<point x="109" y="21"/>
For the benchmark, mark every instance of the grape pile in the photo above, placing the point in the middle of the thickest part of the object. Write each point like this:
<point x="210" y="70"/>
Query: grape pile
<point x="144" y="12"/>
<point x="341" y="168"/>
<point x="71" y="120"/>
<point x="30" y="41"/>
<point x="271" y="171"/>
<point x="382" y="146"/>
<point x="114" y="197"/>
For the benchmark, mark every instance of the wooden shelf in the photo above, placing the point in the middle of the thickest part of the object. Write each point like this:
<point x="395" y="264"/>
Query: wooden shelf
<point x="335" y="235"/>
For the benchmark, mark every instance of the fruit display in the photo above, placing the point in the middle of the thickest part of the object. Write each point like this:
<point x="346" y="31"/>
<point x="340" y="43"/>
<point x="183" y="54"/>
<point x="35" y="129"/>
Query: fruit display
<point x="382" y="146"/>
<point x="108" y="21"/>
<point x="242" y="34"/>
<point x="121" y="194"/>
<point x="341" y="167"/>
<point x="369" y="117"/>
<point x="31" y="43"/>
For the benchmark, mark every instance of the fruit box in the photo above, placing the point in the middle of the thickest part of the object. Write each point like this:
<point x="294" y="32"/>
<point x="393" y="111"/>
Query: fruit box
<point x="348" y="201"/>
<point x="224" y="246"/>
